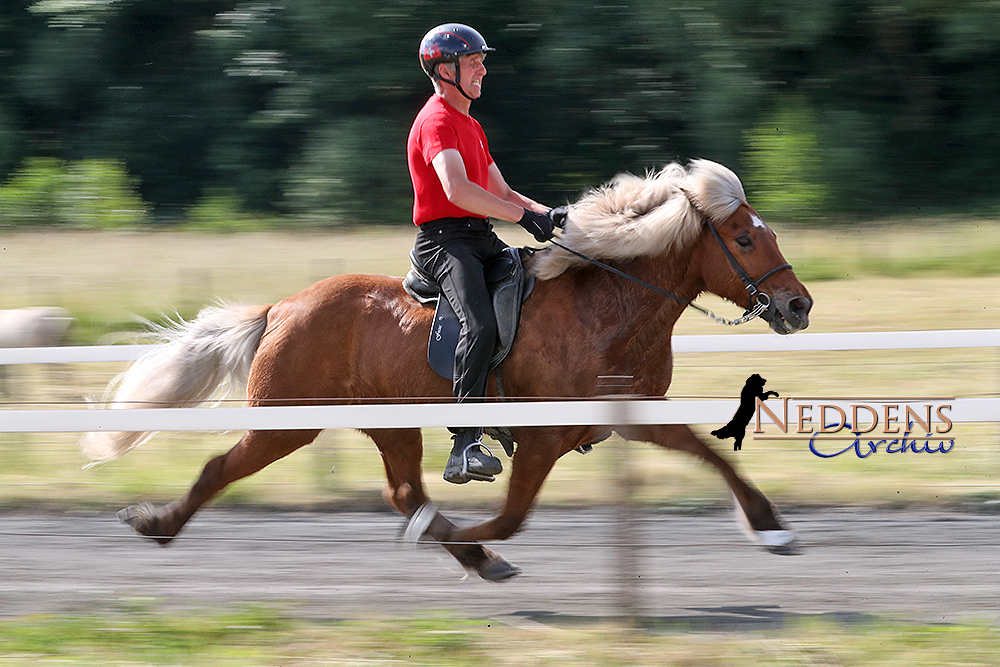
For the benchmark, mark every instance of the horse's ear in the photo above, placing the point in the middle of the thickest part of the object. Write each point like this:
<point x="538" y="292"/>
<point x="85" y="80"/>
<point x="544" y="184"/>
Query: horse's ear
<point x="693" y="200"/>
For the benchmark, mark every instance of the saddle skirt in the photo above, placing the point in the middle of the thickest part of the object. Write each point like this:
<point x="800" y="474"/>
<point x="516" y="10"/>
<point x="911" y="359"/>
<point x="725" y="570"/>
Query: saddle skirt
<point x="510" y="286"/>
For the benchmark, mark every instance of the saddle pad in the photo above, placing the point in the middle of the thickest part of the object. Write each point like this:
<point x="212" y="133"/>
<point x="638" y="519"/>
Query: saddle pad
<point x="445" y="332"/>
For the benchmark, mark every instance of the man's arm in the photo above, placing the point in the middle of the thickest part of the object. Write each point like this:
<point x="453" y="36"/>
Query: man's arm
<point x="462" y="192"/>
<point x="498" y="186"/>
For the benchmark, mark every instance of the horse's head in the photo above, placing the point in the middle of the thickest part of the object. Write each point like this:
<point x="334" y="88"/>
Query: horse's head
<point x="741" y="259"/>
<point x="732" y="252"/>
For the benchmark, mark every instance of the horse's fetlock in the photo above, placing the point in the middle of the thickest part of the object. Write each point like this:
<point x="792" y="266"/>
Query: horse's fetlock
<point x="763" y="518"/>
<point x="506" y="526"/>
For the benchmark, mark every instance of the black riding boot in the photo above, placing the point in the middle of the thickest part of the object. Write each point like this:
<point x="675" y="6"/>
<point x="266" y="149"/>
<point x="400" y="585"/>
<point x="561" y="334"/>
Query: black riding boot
<point x="469" y="461"/>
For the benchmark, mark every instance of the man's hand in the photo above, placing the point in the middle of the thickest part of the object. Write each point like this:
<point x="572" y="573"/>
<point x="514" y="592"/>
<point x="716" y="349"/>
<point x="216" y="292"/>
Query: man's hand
<point x="539" y="225"/>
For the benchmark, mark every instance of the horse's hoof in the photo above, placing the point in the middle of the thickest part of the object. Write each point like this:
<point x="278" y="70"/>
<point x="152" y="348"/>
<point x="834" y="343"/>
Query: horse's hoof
<point x="778" y="540"/>
<point x="419" y="522"/>
<point x="497" y="568"/>
<point x="781" y="542"/>
<point x="144" y="519"/>
<point x="136" y="515"/>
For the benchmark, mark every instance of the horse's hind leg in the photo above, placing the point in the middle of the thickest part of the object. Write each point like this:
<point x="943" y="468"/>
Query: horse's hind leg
<point x="764" y="523"/>
<point x="254" y="451"/>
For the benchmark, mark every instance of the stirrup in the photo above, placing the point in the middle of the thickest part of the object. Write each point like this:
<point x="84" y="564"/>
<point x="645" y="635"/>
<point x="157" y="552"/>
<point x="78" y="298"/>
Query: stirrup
<point x="465" y="475"/>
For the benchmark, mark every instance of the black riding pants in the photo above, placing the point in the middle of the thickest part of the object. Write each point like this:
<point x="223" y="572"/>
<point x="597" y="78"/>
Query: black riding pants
<point x="454" y="251"/>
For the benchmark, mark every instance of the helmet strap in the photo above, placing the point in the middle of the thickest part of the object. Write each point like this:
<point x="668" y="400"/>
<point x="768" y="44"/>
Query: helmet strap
<point x="457" y="82"/>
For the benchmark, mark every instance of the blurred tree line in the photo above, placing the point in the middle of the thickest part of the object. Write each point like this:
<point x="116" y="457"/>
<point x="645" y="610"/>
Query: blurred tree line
<point x="122" y="111"/>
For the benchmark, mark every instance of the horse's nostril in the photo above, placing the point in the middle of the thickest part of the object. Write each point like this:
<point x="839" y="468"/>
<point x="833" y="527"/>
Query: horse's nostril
<point x="800" y="306"/>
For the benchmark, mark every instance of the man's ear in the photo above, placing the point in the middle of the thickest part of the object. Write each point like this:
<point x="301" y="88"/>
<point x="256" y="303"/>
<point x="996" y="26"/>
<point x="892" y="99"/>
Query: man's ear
<point x="449" y="70"/>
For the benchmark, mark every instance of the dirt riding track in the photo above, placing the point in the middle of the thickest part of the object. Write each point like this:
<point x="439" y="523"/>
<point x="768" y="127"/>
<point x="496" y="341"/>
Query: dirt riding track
<point x="933" y="566"/>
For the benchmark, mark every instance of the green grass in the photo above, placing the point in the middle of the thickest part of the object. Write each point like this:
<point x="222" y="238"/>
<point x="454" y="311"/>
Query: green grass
<point x="138" y="635"/>
<point x="904" y="249"/>
<point x="262" y="636"/>
<point x="104" y="278"/>
<point x="107" y="278"/>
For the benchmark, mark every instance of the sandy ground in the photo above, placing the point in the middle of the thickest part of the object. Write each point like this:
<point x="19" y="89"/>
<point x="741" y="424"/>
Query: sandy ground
<point x="931" y="566"/>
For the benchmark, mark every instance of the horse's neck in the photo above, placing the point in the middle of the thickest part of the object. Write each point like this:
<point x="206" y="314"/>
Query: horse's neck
<point x="667" y="275"/>
<point x="657" y="313"/>
<point x="637" y="316"/>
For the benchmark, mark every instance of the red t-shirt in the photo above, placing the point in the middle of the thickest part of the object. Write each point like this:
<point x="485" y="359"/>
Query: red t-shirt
<point x="437" y="127"/>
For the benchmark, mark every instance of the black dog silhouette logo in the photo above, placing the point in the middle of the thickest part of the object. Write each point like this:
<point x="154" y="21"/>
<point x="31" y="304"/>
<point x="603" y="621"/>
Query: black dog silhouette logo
<point x="737" y="426"/>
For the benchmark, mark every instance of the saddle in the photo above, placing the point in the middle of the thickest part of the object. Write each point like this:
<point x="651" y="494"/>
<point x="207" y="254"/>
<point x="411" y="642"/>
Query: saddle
<point x="510" y="286"/>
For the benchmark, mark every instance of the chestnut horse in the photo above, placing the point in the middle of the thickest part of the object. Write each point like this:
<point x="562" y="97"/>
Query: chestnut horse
<point x="683" y="229"/>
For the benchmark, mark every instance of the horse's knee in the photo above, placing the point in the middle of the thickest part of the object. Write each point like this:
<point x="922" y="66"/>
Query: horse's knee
<point x="401" y="498"/>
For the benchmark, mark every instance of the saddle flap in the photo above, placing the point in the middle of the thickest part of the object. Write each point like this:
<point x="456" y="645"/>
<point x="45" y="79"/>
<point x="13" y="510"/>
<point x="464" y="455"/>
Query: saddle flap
<point x="445" y="332"/>
<point x="509" y="287"/>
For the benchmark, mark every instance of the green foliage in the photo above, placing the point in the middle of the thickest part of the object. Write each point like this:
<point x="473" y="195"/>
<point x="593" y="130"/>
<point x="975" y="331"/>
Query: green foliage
<point x="72" y="13"/>
<point x="302" y="107"/>
<point x="333" y="184"/>
<point x="89" y="194"/>
<point x="10" y="139"/>
<point x="30" y="197"/>
<point x="222" y="211"/>
<point x="784" y="164"/>
<point x="99" y="194"/>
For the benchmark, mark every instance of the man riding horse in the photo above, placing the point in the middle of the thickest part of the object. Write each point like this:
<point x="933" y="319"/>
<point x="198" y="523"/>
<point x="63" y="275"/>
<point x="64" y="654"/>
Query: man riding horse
<point x="456" y="187"/>
<point x="633" y="256"/>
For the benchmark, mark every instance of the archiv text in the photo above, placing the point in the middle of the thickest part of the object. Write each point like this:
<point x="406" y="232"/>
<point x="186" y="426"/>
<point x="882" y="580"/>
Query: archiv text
<point x="887" y="426"/>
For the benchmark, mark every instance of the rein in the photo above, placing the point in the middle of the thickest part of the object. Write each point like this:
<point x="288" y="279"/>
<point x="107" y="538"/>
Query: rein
<point x="763" y="300"/>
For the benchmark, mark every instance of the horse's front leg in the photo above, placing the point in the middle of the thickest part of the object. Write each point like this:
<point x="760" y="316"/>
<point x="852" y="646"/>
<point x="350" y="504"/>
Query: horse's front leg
<point x="760" y="518"/>
<point x="401" y="451"/>
<point x="537" y="451"/>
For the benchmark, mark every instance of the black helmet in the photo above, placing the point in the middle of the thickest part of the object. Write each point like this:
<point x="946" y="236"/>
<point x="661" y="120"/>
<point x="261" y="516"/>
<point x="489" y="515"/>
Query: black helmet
<point x="446" y="44"/>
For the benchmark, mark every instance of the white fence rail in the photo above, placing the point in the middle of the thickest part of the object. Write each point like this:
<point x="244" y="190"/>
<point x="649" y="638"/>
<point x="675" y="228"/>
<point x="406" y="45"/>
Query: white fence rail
<point x="802" y="342"/>
<point x="535" y="413"/>
<point x="410" y="415"/>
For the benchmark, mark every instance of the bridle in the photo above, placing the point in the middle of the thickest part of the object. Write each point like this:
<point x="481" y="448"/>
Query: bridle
<point x="754" y="294"/>
<point x="748" y="282"/>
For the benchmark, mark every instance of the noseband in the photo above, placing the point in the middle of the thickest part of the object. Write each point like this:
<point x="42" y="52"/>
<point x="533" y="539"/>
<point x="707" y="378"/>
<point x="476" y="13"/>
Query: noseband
<point x="762" y="298"/>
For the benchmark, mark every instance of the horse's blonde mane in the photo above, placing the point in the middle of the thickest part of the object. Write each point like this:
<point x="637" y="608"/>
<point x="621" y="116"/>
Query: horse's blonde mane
<point x="632" y="216"/>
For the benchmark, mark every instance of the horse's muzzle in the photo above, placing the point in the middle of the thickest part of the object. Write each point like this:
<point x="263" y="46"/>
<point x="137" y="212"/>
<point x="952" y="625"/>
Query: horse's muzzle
<point x="788" y="312"/>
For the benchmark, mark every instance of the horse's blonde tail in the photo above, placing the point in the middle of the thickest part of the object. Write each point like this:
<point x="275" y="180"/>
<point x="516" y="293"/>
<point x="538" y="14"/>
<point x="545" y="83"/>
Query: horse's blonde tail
<point x="197" y="360"/>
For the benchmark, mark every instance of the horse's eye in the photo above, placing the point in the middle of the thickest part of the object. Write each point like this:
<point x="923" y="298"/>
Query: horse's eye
<point x="744" y="241"/>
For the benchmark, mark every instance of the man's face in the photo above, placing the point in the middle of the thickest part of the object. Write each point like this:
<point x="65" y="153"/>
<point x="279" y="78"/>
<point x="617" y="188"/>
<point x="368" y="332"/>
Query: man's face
<point x="472" y="72"/>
